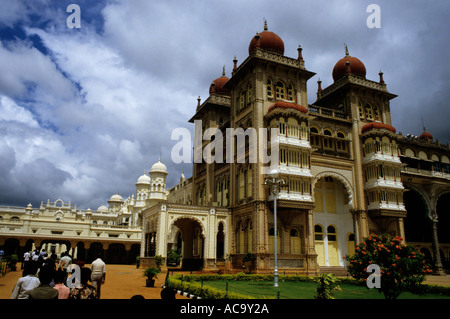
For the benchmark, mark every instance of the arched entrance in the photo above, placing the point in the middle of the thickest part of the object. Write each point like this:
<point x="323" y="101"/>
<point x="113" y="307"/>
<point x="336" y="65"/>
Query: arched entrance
<point x="192" y="236"/>
<point x="95" y="250"/>
<point x="116" y="254"/>
<point x="220" y="250"/>
<point x="332" y="219"/>
<point x="418" y="225"/>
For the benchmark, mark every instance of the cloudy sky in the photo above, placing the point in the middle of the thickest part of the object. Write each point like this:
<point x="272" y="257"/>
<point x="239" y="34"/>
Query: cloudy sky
<point x="85" y="111"/>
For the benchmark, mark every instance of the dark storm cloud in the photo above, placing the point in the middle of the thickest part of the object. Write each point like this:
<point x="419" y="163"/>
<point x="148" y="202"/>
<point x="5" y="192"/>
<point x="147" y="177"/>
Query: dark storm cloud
<point x="90" y="110"/>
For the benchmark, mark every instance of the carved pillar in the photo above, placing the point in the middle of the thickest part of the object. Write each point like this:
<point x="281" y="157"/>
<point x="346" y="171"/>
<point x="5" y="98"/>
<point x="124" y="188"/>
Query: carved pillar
<point x="311" y="266"/>
<point x="401" y="230"/>
<point x="439" y="269"/>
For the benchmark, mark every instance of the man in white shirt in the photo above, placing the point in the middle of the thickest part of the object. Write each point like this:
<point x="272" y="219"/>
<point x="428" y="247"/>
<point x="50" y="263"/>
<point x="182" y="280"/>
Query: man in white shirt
<point x="27" y="283"/>
<point x="26" y="258"/>
<point x="98" y="275"/>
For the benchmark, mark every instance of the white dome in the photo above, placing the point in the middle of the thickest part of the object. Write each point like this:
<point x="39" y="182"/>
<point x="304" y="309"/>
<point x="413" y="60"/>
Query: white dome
<point x="116" y="198"/>
<point x="159" y="167"/>
<point x="143" y="179"/>
<point x="102" y="209"/>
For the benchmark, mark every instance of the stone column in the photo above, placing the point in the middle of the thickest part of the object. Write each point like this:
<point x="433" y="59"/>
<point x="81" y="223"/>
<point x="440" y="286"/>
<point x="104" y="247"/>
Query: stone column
<point x="439" y="269"/>
<point x="311" y="266"/>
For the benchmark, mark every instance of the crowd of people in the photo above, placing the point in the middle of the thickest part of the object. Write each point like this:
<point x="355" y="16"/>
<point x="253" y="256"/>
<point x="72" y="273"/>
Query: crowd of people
<point x="46" y="277"/>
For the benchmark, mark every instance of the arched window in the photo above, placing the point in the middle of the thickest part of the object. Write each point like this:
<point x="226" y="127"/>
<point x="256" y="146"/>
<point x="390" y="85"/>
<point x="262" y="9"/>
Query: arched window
<point x="314" y="129"/>
<point x="327" y="132"/>
<point x="280" y="90"/>
<point x="376" y="113"/>
<point x="290" y="92"/>
<point x="318" y="232"/>
<point x="249" y="93"/>
<point x="369" y="112"/>
<point x="269" y="88"/>
<point x="282" y="127"/>
<point x="340" y="144"/>
<point x="361" y="112"/>
<point x="292" y="128"/>
<point x="331" y="233"/>
<point x="241" y="184"/>
<point x="242" y="100"/>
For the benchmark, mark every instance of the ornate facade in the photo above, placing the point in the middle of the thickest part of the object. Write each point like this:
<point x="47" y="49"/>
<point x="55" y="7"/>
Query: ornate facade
<point x="58" y="227"/>
<point x="349" y="173"/>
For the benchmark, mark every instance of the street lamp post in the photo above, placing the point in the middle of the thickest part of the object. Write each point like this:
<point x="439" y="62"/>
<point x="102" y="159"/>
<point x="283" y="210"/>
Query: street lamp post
<point x="276" y="183"/>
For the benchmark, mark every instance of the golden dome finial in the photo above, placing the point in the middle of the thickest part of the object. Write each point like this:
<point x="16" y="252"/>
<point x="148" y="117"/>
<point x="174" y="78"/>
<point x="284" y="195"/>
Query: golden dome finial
<point x="265" y="25"/>
<point x="346" y="51"/>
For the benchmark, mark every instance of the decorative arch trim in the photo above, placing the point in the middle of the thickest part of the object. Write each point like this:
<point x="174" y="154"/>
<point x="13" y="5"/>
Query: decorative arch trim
<point x="339" y="177"/>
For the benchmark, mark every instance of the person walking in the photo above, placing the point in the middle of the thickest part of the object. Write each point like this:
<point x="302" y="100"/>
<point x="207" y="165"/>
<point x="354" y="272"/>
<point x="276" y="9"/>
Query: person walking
<point x="98" y="268"/>
<point x="26" y="259"/>
<point x="28" y="282"/>
<point x="65" y="261"/>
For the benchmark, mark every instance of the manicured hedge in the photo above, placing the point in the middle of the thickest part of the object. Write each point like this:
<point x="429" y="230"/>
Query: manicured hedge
<point x="195" y="288"/>
<point x="196" y="279"/>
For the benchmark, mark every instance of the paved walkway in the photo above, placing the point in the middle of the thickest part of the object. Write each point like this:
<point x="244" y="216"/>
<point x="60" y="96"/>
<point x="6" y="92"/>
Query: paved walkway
<point x="122" y="282"/>
<point x="125" y="281"/>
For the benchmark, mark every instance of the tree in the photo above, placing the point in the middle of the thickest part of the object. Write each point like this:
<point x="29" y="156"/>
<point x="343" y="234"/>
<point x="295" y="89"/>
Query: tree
<point x="328" y="283"/>
<point x="402" y="267"/>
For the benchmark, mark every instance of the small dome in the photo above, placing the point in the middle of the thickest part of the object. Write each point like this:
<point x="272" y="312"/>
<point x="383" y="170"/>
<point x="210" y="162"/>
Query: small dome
<point x="116" y="198"/>
<point x="348" y="65"/>
<point x="266" y="40"/>
<point x="288" y="105"/>
<point x="102" y="209"/>
<point x="426" y="135"/>
<point x="217" y="86"/>
<point x="377" y="126"/>
<point x="143" y="179"/>
<point x="159" y="167"/>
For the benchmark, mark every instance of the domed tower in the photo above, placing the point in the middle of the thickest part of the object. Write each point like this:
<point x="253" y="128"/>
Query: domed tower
<point x="348" y="65"/>
<point x="115" y="202"/>
<point x="142" y="189"/>
<point x="158" y="174"/>
<point x="266" y="40"/>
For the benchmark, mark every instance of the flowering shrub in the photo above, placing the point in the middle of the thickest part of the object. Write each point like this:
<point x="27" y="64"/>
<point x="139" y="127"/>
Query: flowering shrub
<point x="402" y="267"/>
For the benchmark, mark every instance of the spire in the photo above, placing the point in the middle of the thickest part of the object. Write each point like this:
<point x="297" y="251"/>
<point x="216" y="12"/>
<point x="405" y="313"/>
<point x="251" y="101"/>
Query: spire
<point x="346" y="51"/>
<point x="381" y="77"/>
<point x="265" y="25"/>
<point x="299" y="49"/>
<point x="223" y="71"/>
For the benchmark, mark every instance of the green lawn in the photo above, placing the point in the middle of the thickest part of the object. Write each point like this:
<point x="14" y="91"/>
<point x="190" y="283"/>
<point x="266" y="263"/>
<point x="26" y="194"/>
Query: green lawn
<point x="305" y="290"/>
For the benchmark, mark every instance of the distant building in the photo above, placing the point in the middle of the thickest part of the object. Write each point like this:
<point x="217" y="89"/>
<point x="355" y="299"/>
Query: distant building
<point x="60" y="227"/>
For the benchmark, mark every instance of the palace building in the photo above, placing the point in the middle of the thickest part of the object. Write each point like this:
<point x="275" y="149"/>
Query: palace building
<point x="348" y="173"/>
